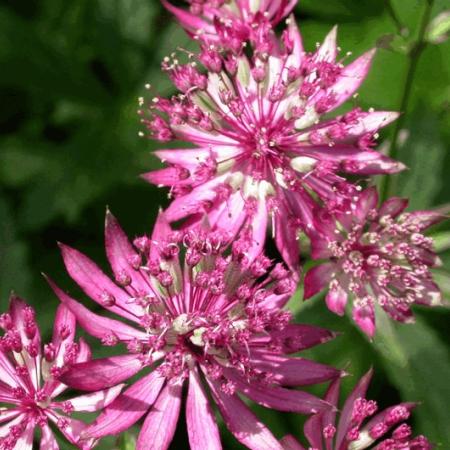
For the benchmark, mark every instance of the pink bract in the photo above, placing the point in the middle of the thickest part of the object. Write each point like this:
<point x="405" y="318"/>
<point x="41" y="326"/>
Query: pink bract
<point x="376" y="256"/>
<point x="202" y="313"/>
<point x="29" y="385"/>
<point x="359" y="425"/>
<point x="265" y="150"/>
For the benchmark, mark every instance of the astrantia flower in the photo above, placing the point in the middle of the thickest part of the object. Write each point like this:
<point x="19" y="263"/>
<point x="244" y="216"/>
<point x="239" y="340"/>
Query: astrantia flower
<point x="376" y="255"/>
<point x="231" y="23"/>
<point x="30" y="394"/>
<point x="214" y="321"/>
<point x="263" y="144"/>
<point x="360" y="425"/>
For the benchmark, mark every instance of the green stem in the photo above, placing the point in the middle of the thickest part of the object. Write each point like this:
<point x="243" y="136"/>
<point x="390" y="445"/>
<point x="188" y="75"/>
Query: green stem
<point x="389" y="184"/>
<point x="398" y="23"/>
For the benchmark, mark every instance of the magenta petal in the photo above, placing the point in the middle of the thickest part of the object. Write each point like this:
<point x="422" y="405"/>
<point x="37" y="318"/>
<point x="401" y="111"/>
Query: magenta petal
<point x="278" y="398"/>
<point x="190" y="21"/>
<point x="296" y="39"/>
<point x="96" y="400"/>
<point x="161" y="230"/>
<point x="102" y="373"/>
<point x="367" y="202"/>
<point x="313" y="431"/>
<point x="345" y="420"/>
<point x="64" y="321"/>
<point x="121" y="254"/>
<point x="244" y="425"/>
<point x="48" y="441"/>
<point x="25" y="442"/>
<point x="96" y="284"/>
<point x="293" y="371"/>
<point x="128" y="408"/>
<point x="328" y="50"/>
<point x="393" y="207"/>
<point x="160" y="425"/>
<point x="364" y="316"/>
<point x="290" y="443"/>
<point x="351" y="78"/>
<point x="336" y="299"/>
<point x="170" y="176"/>
<point x="97" y="326"/>
<point x="317" y="278"/>
<point x="295" y="337"/>
<point x="201" y="423"/>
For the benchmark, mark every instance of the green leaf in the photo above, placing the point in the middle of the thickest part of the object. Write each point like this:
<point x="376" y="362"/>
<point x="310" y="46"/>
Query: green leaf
<point x="126" y="441"/>
<point x="423" y="152"/>
<point x="418" y="364"/>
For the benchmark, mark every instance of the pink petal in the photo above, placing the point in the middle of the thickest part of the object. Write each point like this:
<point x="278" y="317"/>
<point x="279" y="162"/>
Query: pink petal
<point x="25" y="442"/>
<point x="160" y="425"/>
<point x="230" y="215"/>
<point x="189" y="21"/>
<point x="8" y="373"/>
<point x="296" y="38"/>
<point x="129" y="407"/>
<point x="285" y="239"/>
<point x="292" y="371"/>
<point x="201" y="422"/>
<point x="244" y="425"/>
<point x="97" y="326"/>
<point x="371" y="163"/>
<point x="259" y="229"/>
<point x="351" y="78"/>
<point x="48" y="441"/>
<point x="336" y="299"/>
<point x="169" y="176"/>
<point x="192" y="203"/>
<point x="328" y="50"/>
<point x="371" y="122"/>
<point x="84" y="353"/>
<point x="64" y="322"/>
<point x="290" y="443"/>
<point x="364" y="316"/>
<point x="317" y="278"/>
<point x="102" y="373"/>
<point x="120" y="254"/>
<point x="9" y="414"/>
<point x="161" y="230"/>
<point x="426" y="219"/>
<point x="313" y="431"/>
<point x="345" y="419"/>
<point x="97" y="400"/>
<point x="393" y="206"/>
<point x="96" y="284"/>
<point x="278" y="398"/>
<point x="72" y="431"/>
<point x="367" y="202"/>
<point x="295" y="337"/>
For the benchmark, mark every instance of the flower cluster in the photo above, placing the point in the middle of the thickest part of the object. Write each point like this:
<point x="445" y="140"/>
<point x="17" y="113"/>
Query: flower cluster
<point x="197" y="311"/>
<point x="360" y="424"/>
<point x="30" y="389"/>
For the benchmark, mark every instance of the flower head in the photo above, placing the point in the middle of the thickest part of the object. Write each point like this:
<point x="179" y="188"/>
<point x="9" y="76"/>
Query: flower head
<point x="263" y="147"/>
<point x="29" y="387"/>
<point x="233" y="23"/>
<point x="360" y="425"/>
<point x="214" y="321"/>
<point x="376" y="255"/>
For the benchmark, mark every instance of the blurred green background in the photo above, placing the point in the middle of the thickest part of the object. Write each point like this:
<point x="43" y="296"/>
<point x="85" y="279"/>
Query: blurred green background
<point x="70" y="76"/>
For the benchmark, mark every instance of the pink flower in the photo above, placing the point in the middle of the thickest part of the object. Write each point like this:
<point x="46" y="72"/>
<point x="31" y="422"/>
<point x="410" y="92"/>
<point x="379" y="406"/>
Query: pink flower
<point x="29" y="387"/>
<point x="264" y="150"/>
<point x="231" y="25"/>
<point x="214" y="322"/>
<point x="377" y="255"/>
<point x="359" y="426"/>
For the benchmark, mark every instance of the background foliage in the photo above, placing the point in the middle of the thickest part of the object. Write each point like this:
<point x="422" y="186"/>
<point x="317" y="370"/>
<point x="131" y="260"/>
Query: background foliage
<point x="70" y="76"/>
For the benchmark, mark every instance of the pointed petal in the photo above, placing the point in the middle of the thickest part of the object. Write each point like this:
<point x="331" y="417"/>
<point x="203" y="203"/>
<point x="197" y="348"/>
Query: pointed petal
<point x="351" y="78"/>
<point x="72" y="429"/>
<point x="159" y="426"/>
<point x="64" y="330"/>
<point x="393" y="206"/>
<point x="201" y="422"/>
<point x="296" y="39"/>
<point x="290" y="443"/>
<point x="317" y="278"/>
<point x="367" y="201"/>
<point x="48" y="441"/>
<point x="295" y="337"/>
<point x="244" y="425"/>
<point x="278" y="398"/>
<point x="128" y="408"/>
<point x="189" y="21"/>
<point x="336" y="299"/>
<point x="121" y="254"/>
<point x="313" y="431"/>
<point x="97" y="400"/>
<point x="25" y="442"/>
<point x="102" y="373"/>
<point x="292" y="371"/>
<point x="8" y="373"/>
<point x="95" y="283"/>
<point x="371" y="122"/>
<point x="328" y="50"/>
<point x="358" y="392"/>
<point x="97" y="326"/>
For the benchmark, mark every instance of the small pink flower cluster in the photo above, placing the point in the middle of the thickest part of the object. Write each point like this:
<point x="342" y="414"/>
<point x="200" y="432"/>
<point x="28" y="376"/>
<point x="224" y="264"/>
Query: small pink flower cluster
<point x="202" y="309"/>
